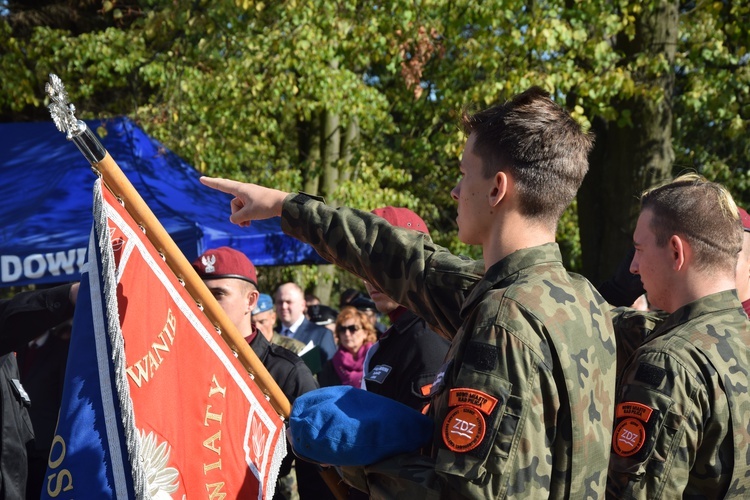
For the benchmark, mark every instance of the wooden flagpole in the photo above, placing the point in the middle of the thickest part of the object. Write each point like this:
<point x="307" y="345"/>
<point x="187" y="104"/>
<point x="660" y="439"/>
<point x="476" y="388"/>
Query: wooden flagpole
<point x="63" y="115"/>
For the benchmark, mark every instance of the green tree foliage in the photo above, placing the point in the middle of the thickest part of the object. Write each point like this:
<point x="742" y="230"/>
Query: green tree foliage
<point x="359" y="101"/>
<point x="712" y="104"/>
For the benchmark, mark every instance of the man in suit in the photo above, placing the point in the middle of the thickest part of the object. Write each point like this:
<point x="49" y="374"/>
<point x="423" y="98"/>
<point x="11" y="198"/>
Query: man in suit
<point x="290" y="308"/>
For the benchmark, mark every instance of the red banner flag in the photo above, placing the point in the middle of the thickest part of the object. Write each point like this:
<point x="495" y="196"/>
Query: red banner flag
<point x="173" y="411"/>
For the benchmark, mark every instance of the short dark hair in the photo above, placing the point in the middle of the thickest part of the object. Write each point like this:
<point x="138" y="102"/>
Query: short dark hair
<point x="539" y="144"/>
<point x="702" y="212"/>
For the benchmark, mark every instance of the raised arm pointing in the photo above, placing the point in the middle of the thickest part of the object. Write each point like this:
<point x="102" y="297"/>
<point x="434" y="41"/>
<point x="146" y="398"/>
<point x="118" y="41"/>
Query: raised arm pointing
<point x="251" y="201"/>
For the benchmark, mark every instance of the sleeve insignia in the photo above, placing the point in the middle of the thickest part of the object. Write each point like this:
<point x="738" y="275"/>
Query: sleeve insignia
<point x="463" y="429"/>
<point x="628" y="438"/>
<point x="439" y="383"/>
<point x="634" y="410"/>
<point x="472" y="397"/>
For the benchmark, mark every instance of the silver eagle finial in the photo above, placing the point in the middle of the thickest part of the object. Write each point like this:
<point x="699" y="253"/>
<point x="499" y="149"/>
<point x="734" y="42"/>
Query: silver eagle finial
<point x="63" y="114"/>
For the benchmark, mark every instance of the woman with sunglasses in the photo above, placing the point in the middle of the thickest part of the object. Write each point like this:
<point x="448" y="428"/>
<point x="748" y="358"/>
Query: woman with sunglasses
<point x="355" y="335"/>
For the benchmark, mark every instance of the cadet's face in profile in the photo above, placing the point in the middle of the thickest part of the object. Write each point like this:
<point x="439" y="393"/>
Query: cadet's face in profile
<point x="231" y="294"/>
<point x="471" y="195"/>
<point x="652" y="263"/>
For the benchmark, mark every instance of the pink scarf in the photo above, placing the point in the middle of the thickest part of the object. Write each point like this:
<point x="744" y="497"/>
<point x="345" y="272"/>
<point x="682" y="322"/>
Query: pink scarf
<point x="348" y="366"/>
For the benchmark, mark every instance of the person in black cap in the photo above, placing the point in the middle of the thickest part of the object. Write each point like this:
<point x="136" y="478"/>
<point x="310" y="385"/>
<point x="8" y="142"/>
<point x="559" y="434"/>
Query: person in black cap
<point x="347" y="296"/>
<point x="323" y="315"/>
<point x="366" y="305"/>
<point x="232" y="279"/>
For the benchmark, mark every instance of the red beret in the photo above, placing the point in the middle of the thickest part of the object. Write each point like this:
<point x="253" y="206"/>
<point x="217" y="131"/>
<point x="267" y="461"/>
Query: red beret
<point x="745" y="219"/>
<point x="225" y="262"/>
<point x="402" y="217"/>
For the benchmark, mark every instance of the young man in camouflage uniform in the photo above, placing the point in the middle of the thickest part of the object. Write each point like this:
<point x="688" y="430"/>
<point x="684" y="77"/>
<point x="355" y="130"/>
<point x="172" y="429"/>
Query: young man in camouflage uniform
<point x="524" y="407"/>
<point x="681" y="428"/>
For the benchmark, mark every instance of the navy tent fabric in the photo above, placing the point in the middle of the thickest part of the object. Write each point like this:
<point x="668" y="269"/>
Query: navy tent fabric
<point x="47" y="191"/>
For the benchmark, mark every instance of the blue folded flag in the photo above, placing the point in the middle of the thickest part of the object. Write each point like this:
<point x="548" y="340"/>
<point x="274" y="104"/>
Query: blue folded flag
<point x="342" y="425"/>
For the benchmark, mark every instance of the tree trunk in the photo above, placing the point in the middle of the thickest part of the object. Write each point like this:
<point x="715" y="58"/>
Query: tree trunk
<point x="349" y="142"/>
<point x="330" y="153"/>
<point x="628" y="158"/>
<point x="310" y="147"/>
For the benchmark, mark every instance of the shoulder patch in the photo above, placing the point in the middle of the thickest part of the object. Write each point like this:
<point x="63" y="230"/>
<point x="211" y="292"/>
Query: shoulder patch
<point x="650" y="374"/>
<point x="472" y="397"/>
<point x="463" y="429"/>
<point x="378" y="374"/>
<point x="439" y="382"/>
<point x="629" y="437"/>
<point x="482" y="356"/>
<point x="635" y="410"/>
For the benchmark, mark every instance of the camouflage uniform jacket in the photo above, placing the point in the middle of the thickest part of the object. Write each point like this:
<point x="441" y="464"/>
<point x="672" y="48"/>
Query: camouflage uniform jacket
<point x="682" y="426"/>
<point x="525" y="406"/>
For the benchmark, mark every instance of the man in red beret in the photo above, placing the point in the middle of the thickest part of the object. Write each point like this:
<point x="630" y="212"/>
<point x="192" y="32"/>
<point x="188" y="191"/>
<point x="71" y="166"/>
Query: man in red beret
<point x="408" y="356"/>
<point x="231" y="278"/>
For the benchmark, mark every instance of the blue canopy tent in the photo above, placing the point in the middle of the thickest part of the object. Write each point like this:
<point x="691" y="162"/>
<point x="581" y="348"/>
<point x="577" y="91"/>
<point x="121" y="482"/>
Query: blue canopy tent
<point x="47" y="192"/>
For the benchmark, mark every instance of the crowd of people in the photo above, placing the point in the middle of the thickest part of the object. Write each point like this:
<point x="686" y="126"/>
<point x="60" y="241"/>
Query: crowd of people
<point x="538" y="383"/>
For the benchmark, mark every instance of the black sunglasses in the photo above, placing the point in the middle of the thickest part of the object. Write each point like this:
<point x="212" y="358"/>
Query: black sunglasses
<point x="350" y="328"/>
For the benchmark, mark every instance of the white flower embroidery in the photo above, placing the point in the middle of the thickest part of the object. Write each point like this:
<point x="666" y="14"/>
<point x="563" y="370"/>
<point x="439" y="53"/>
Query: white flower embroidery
<point x="160" y="478"/>
<point x="259" y="440"/>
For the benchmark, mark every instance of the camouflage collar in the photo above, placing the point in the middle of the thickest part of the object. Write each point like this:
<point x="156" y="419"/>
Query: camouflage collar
<point x="503" y="273"/>
<point x="716" y="302"/>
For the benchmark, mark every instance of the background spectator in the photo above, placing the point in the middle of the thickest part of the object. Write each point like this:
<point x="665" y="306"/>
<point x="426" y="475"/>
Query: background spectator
<point x="290" y="308"/>
<point x="355" y="337"/>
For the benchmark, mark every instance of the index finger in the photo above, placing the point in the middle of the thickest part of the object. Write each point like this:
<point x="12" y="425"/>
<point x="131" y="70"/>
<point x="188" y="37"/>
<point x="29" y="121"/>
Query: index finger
<point x="224" y="185"/>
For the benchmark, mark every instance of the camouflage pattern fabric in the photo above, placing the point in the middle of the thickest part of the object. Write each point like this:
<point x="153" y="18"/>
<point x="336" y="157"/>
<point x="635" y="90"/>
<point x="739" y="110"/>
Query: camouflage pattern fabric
<point x="293" y="345"/>
<point x="524" y="407"/>
<point x="683" y="417"/>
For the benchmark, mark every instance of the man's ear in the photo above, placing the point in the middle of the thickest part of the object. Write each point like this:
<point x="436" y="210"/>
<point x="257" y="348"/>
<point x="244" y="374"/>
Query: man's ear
<point x="499" y="188"/>
<point x="251" y="299"/>
<point x="680" y="252"/>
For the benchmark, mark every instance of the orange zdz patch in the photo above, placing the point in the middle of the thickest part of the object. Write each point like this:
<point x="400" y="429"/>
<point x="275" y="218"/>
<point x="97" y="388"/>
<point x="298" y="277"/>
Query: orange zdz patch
<point x="629" y="437"/>
<point x="463" y="429"/>
<point x="635" y="410"/>
<point x="472" y="397"/>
